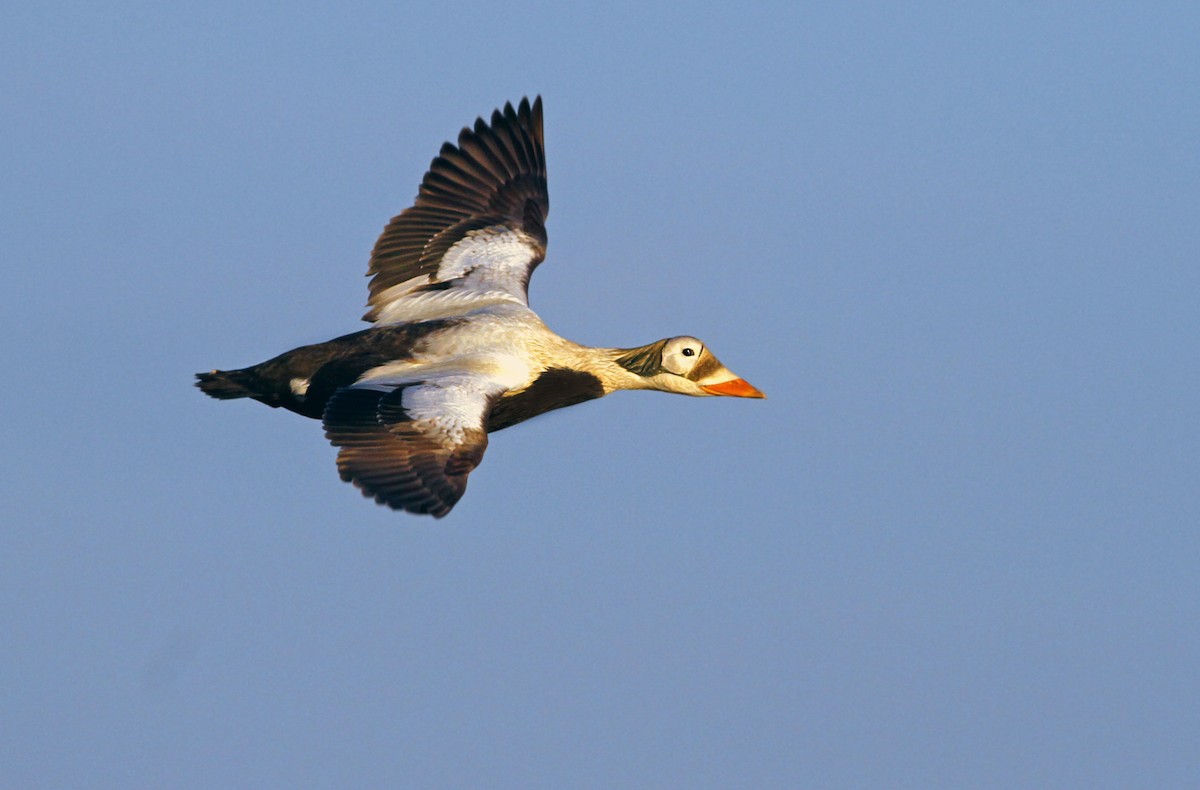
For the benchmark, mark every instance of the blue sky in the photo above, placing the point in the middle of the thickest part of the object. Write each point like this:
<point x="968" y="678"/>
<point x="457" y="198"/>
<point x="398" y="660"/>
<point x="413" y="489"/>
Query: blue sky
<point x="956" y="547"/>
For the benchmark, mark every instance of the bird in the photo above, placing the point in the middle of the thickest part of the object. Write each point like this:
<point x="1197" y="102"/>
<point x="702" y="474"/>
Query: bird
<point x="454" y="351"/>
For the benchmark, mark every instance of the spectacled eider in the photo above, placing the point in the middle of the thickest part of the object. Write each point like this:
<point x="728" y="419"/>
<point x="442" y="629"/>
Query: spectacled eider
<point x="455" y="351"/>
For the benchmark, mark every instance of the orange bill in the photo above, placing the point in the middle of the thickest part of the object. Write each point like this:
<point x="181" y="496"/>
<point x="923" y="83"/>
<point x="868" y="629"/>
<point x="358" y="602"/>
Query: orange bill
<point x="738" y="388"/>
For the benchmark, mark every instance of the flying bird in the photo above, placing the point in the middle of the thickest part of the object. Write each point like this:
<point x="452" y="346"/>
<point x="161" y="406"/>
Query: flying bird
<point x="455" y="352"/>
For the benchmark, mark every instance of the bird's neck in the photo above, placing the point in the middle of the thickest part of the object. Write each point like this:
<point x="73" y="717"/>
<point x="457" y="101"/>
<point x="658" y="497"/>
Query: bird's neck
<point x="614" y="368"/>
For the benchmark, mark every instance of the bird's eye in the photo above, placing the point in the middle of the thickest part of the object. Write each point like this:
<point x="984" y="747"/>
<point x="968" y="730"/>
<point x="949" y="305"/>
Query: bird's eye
<point x="688" y="352"/>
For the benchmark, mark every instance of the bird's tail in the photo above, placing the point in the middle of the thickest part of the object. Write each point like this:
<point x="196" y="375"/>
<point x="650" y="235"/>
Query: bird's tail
<point x="228" y="384"/>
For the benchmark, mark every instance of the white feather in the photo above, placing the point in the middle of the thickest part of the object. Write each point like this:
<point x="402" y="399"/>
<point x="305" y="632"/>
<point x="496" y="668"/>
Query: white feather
<point x="490" y="267"/>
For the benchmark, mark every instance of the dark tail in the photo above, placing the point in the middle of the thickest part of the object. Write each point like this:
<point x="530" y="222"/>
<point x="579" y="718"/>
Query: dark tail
<point x="228" y="384"/>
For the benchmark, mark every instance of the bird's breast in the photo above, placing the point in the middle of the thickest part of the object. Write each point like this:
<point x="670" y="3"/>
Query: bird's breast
<point x="552" y="389"/>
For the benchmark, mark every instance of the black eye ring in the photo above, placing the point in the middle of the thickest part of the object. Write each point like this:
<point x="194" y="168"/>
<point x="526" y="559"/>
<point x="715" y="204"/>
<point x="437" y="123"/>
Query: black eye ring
<point x="688" y="352"/>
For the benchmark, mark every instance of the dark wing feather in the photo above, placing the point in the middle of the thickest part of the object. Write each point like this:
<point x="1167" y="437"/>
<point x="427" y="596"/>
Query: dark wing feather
<point x="494" y="176"/>
<point x="399" y="455"/>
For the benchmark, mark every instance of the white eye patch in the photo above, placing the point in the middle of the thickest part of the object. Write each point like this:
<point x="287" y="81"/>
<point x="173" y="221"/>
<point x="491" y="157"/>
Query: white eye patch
<point x="681" y="354"/>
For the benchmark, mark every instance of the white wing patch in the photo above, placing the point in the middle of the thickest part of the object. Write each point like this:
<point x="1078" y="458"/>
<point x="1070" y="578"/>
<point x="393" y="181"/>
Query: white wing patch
<point x="411" y="446"/>
<point x="488" y="266"/>
<point x="497" y="256"/>
<point x="451" y="405"/>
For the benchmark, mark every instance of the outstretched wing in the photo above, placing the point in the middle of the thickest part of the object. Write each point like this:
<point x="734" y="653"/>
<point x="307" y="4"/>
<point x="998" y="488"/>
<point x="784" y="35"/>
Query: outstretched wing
<point x="477" y="229"/>
<point x="412" y="445"/>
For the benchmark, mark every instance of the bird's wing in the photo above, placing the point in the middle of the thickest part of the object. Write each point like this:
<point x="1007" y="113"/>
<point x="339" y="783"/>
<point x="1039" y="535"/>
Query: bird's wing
<point x="411" y="445"/>
<point x="477" y="228"/>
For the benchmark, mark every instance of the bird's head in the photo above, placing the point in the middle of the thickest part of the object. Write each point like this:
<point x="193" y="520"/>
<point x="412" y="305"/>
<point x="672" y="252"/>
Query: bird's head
<point x="684" y="365"/>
